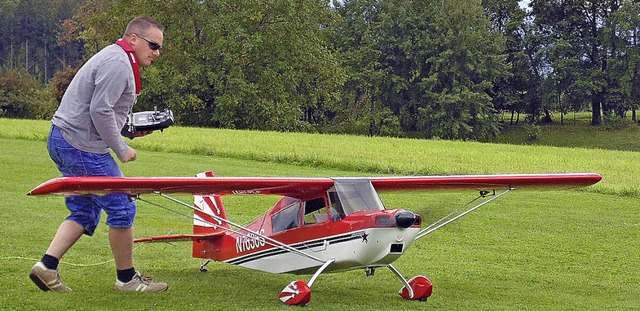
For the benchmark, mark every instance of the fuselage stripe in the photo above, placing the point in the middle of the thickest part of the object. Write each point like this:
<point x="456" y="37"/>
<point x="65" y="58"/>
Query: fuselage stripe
<point x="357" y="235"/>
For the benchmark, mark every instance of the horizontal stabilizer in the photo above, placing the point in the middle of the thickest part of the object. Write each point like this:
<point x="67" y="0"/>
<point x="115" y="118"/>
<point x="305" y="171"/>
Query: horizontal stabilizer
<point x="180" y="237"/>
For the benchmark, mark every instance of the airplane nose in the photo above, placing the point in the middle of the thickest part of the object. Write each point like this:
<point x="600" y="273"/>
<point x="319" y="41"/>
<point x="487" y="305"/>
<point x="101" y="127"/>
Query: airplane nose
<point x="405" y="219"/>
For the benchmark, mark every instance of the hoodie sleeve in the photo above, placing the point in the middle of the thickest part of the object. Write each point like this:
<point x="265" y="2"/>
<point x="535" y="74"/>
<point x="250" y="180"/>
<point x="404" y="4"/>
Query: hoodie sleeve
<point x="111" y="80"/>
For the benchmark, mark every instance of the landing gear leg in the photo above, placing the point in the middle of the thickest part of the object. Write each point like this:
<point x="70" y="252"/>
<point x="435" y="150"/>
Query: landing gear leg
<point x="298" y="293"/>
<point x="203" y="266"/>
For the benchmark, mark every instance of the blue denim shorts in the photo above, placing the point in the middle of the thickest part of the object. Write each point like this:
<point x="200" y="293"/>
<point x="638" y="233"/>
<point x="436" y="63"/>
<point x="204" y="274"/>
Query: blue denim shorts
<point x="86" y="209"/>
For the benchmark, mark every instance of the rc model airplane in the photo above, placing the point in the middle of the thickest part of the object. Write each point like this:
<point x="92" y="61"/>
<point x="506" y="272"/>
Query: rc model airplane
<point x="319" y="225"/>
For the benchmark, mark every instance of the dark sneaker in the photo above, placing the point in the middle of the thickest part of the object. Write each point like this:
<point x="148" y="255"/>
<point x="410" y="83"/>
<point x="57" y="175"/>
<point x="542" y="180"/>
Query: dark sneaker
<point x="47" y="279"/>
<point x="140" y="283"/>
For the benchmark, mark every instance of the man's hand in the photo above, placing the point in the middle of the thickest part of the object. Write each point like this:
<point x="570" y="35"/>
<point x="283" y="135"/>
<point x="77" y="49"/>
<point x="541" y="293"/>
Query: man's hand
<point x="129" y="156"/>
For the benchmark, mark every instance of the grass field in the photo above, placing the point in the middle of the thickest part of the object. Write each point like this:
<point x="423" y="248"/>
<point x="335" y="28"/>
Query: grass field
<point x="559" y="250"/>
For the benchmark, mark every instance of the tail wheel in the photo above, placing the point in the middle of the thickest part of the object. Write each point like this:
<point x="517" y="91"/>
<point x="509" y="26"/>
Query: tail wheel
<point x="421" y="287"/>
<point x="297" y="293"/>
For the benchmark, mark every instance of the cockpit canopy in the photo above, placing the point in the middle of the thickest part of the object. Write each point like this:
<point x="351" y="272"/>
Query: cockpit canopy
<point x="349" y="195"/>
<point x="355" y="194"/>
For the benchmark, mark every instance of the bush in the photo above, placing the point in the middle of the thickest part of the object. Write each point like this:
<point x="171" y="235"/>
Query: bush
<point x="610" y="122"/>
<point x="532" y="131"/>
<point x="17" y="89"/>
<point x="21" y="96"/>
<point x="60" y="82"/>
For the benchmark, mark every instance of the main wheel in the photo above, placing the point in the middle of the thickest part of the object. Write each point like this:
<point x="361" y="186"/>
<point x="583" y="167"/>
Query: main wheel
<point x="297" y="293"/>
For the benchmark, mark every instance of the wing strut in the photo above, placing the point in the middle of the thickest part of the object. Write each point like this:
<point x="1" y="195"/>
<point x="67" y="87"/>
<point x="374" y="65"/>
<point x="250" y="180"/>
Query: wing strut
<point x="268" y="240"/>
<point x="452" y="216"/>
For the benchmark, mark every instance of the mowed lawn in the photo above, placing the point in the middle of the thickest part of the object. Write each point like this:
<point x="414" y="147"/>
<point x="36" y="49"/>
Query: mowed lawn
<point x="562" y="250"/>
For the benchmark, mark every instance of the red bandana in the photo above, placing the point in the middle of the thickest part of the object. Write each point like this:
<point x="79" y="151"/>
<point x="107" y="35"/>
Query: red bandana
<point x="134" y="62"/>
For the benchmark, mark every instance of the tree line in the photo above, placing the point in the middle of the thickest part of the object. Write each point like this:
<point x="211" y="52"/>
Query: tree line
<point x="418" y="68"/>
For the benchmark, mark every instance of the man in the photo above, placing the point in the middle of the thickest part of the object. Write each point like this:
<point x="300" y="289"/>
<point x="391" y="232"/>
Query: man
<point x="86" y="125"/>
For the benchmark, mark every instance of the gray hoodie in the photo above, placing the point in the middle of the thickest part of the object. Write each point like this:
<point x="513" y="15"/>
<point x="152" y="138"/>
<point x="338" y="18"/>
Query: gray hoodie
<point x="95" y="106"/>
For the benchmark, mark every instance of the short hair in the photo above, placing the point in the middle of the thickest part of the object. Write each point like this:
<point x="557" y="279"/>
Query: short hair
<point x="141" y="25"/>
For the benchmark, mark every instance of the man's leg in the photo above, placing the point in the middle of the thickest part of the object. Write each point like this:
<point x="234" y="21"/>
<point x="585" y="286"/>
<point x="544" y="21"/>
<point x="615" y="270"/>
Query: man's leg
<point x="69" y="161"/>
<point x="45" y="272"/>
<point x="67" y="235"/>
<point x="121" y="241"/>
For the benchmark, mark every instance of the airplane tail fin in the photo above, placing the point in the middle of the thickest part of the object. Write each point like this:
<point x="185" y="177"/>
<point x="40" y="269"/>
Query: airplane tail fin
<point x="207" y="205"/>
<point x="208" y="231"/>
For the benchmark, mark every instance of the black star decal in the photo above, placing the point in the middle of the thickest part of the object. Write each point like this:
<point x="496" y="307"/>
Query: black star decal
<point x="364" y="237"/>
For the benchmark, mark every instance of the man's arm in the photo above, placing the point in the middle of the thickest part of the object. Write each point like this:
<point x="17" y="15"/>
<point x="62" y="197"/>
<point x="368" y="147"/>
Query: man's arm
<point x="111" y="80"/>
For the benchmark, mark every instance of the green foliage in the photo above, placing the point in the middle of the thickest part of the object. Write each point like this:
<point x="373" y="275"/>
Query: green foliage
<point x="431" y="68"/>
<point x="603" y="34"/>
<point x="28" y="36"/>
<point x="60" y="82"/>
<point x="465" y="66"/>
<point x="615" y="123"/>
<point x="21" y="96"/>
<point x="16" y="87"/>
<point x="238" y="64"/>
<point x="532" y="131"/>
<point x="356" y="40"/>
<point x="429" y="62"/>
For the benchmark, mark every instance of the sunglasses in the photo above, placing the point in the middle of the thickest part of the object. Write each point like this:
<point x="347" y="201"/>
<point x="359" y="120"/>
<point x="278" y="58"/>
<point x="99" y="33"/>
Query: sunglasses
<point x="152" y="44"/>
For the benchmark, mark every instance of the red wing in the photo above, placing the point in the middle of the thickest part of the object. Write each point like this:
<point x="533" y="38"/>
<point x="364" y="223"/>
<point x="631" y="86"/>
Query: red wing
<point x="456" y="182"/>
<point x="296" y="187"/>
<point x="191" y="185"/>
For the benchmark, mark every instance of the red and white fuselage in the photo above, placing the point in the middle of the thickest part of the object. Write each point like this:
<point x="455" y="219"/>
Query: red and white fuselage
<point x="363" y="238"/>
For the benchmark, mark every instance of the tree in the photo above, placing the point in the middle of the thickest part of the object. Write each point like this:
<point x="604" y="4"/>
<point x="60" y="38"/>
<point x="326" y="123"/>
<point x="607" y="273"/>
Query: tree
<point x="581" y="25"/>
<point x="8" y="48"/>
<point x="22" y="97"/>
<point x="28" y="38"/>
<point x="514" y="89"/>
<point x="430" y="64"/>
<point x="621" y="38"/>
<point x="441" y="60"/>
<point x="356" y="40"/>
<point x="236" y="64"/>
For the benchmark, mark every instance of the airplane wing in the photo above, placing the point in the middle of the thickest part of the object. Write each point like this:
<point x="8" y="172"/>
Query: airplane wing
<point x="188" y="185"/>
<point x="484" y="182"/>
<point x="295" y="187"/>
